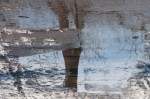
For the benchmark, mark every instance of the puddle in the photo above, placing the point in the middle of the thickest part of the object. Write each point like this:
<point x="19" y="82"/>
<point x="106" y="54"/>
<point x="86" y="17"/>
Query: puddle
<point x="104" y="64"/>
<point x="70" y="50"/>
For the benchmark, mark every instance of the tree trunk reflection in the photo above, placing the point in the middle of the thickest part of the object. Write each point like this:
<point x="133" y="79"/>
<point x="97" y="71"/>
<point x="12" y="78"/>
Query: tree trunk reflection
<point x="71" y="58"/>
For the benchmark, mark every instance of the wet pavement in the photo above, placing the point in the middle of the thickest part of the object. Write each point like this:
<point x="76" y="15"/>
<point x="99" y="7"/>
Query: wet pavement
<point x="75" y="49"/>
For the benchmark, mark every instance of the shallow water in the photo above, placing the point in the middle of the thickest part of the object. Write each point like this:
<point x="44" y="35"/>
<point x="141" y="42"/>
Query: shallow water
<point x="75" y="50"/>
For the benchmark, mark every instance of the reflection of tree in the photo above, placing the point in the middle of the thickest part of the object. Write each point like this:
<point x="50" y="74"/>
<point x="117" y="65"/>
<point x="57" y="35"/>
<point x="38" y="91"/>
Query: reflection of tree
<point x="62" y="10"/>
<point x="59" y="7"/>
<point x="18" y="83"/>
<point x="71" y="58"/>
<point x="16" y="74"/>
